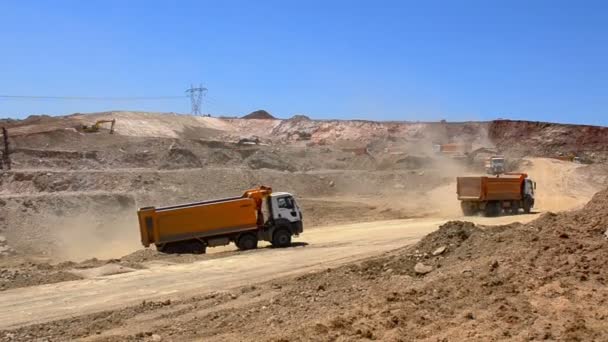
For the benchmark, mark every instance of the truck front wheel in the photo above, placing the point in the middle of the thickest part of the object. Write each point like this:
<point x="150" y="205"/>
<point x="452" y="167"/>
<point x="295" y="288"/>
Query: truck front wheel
<point x="247" y="241"/>
<point x="514" y="207"/>
<point x="528" y="202"/>
<point x="281" y="238"/>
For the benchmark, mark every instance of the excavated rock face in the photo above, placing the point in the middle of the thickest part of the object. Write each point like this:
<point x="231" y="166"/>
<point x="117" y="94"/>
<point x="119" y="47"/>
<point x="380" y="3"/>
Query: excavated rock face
<point x="268" y="160"/>
<point x="550" y="139"/>
<point x="181" y="158"/>
<point x="5" y="249"/>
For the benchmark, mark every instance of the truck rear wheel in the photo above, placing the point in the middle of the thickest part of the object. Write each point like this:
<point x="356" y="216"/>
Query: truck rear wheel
<point x="247" y="241"/>
<point x="492" y="209"/>
<point x="281" y="238"/>
<point x="182" y="247"/>
<point x="468" y="209"/>
<point x="514" y="207"/>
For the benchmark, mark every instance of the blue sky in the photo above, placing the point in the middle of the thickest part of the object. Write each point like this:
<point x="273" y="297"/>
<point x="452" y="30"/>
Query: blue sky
<point x="380" y="60"/>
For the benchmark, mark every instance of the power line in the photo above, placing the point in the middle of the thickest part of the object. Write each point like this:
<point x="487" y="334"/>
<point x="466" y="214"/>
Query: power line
<point x="97" y="98"/>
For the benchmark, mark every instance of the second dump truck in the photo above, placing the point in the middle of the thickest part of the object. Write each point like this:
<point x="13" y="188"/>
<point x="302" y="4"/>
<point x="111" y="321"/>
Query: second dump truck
<point x="257" y="215"/>
<point x="493" y="195"/>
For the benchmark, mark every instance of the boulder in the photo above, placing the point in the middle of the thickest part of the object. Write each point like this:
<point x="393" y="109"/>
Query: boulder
<point x="421" y="268"/>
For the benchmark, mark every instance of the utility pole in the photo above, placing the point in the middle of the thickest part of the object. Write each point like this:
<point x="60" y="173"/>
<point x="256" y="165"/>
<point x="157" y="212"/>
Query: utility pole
<point x="6" y="159"/>
<point x="196" y="98"/>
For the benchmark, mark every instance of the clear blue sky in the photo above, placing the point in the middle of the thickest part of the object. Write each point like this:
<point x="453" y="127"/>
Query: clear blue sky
<point x="382" y="60"/>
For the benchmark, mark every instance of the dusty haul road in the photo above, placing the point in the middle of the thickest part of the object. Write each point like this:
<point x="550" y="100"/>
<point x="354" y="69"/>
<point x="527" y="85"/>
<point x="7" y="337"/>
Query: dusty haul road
<point x="318" y="248"/>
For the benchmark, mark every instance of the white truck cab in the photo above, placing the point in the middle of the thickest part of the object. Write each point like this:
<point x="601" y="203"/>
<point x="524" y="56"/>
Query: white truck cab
<point x="284" y="206"/>
<point x="528" y="194"/>
<point x="284" y="216"/>
<point x="529" y="186"/>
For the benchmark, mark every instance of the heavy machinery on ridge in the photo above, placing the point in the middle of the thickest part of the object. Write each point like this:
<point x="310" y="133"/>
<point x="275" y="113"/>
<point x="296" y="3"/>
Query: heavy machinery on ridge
<point x="97" y="126"/>
<point x="192" y="227"/>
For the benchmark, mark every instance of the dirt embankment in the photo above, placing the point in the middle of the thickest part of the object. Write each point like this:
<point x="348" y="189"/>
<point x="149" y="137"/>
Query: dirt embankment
<point x="540" y="281"/>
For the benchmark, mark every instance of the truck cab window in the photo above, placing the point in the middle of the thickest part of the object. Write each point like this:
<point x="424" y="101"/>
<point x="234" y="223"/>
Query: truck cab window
<point x="285" y="202"/>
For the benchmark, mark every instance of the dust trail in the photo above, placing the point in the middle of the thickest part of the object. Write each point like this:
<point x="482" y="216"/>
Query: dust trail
<point x="71" y="226"/>
<point x="84" y="237"/>
<point x="559" y="186"/>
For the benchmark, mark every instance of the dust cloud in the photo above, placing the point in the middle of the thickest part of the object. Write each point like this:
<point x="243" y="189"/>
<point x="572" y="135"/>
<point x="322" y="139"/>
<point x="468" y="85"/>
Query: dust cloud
<point x="83" y="237"/>
<point x="558" y="185"/>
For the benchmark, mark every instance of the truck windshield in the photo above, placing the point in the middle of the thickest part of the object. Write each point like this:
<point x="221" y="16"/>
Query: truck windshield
<point x="285" y="202"/>
<point x="530" y="185"/>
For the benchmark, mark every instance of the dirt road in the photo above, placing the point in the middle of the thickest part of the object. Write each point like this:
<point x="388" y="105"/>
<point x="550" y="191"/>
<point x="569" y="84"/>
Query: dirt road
<point x="318" y="248"/>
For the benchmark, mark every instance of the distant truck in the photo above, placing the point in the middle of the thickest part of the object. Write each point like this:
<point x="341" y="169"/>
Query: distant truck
<point x="453" y="150"/>
<point x="192" y="227"/>
<point x="493" y="195"/>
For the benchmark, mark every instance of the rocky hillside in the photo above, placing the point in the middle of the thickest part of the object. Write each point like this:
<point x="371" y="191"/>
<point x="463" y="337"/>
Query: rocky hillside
<point x="550" y="140"/>
<point x="518" y="138"/>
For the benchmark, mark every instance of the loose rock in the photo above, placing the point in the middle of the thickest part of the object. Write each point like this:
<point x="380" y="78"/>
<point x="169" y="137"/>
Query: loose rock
<point x="439" y="250"/>
<point x="421" y="268"/>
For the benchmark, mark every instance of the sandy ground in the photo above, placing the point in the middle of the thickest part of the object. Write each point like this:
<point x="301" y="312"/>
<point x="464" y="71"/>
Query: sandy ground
<point x="320" y="248"/>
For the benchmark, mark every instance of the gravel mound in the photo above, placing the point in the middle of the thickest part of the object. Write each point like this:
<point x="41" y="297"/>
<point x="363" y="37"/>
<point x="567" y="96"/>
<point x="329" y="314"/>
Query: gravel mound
<point x="259" y="114"/>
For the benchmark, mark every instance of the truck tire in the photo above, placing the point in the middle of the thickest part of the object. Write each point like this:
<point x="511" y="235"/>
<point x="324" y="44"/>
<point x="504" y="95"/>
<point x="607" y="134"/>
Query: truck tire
<point x="468" y="209"/>
<point x="247" y="241"/>
<point x="527" y="204"/>
<point x="514" y="207"/>
<point x="183" y="247"/>
<point x="281" y="238"/>
<point x="492" y="209"/>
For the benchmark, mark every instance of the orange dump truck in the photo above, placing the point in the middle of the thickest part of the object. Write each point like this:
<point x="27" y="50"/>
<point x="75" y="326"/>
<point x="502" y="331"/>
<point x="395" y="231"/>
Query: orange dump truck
<point x="495" y="195"/>
<point x="192" y="227"/>
<point x="453" y="149"/>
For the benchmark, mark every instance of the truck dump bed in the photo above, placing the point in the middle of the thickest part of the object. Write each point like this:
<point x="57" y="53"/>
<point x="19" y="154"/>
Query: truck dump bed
<point x="489" y="188"/>
<point x="469" y="188"/>
<point x="196" y="220"/>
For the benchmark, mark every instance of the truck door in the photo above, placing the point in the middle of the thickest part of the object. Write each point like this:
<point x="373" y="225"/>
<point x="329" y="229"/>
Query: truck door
<point x="529" y="188"/>
<point x="288" y="209"/>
